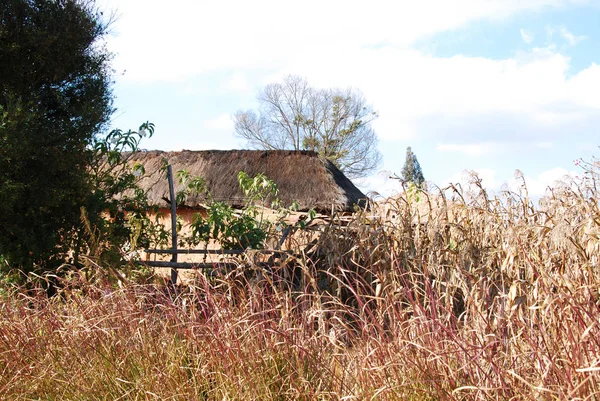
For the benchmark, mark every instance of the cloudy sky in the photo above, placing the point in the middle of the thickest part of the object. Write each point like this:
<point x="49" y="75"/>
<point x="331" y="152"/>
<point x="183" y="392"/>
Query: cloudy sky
<point x="484" y="85"/>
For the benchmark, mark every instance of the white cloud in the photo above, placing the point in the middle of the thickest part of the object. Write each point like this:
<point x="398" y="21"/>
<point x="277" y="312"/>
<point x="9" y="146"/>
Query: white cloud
<point x="583" y="88"/>
<point x="534" y="88"/>
<point x="538" y="184"/>
<point x="466" y="178"/>
<point x="572" y="39"/>
<point x="223" y="122"/>
<point x="469" y="149"/>
<point x="487" y="148"/>
<point x="238" y="83"/>
<point x="178" y="143"/>
<point x="564" y="33"/>
<point x="544" y="145"/>
<point x="380" y="184"/>
<point x="526" y="36"/>
<point x="155" y="41"/>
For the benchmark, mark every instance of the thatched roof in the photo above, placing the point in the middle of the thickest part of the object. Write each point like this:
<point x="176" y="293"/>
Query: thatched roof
<point x="300" y="176"/>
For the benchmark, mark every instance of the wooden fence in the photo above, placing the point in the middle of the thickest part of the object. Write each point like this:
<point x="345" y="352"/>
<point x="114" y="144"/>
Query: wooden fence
<point x="174" y="251"/>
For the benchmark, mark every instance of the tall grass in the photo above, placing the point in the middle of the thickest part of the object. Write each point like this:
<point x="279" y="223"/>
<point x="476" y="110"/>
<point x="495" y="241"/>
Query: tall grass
<point x="449" y="296"/>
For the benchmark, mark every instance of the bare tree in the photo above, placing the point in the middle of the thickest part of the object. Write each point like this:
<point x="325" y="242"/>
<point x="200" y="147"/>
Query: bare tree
<point x="336" y="123"/>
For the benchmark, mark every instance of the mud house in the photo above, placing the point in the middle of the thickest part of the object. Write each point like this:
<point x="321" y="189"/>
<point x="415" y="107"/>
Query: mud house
<point x="301" y="176"/>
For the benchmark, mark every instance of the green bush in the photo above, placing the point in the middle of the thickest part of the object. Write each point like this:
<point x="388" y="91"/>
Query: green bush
<point x="55" y="99"/>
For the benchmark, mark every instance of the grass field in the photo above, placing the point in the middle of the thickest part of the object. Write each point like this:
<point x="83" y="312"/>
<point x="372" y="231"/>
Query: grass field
<point x="453" y="297"/>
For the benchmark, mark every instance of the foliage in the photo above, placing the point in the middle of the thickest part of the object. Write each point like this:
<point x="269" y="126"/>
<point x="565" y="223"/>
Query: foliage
<point x="258" y="189"/>
<point x="55" y="98"/>
<point x="247" y="227"/>
<point x="412" y="172"/>
<point x="116" y="210"/>
<point x="190" y="184"/>
<point x="233" y="229"/>
<point x="335" y="123"/>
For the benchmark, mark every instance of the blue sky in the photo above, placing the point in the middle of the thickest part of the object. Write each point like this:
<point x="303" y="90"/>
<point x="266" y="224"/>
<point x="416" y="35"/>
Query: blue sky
<point x="484" y="85"/>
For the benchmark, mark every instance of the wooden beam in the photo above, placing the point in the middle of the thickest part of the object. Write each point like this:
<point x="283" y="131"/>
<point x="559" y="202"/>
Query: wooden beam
<point x="212" y="251"/>
<point x="187" y="265"/>
<point x="173" y="224"/>
<point x="197" y="251"/>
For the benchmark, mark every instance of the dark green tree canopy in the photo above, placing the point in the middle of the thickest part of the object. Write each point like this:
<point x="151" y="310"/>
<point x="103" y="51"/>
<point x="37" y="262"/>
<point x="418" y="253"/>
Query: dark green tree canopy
<point x="412" y="172"/>
<point x="336" y="123"/>
<point x="55" y="98"/>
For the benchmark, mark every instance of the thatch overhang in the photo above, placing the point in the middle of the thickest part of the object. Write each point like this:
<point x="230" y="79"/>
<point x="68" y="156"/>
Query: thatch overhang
<point x="301" y="176"/>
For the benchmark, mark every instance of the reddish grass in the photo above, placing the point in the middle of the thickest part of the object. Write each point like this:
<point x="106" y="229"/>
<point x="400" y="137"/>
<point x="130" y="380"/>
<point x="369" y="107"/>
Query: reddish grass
<point x="456" y="298"/>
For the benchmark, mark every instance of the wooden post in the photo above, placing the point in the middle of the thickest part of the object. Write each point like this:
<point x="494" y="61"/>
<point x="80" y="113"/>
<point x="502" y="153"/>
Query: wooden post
<point x="173" y="224"/>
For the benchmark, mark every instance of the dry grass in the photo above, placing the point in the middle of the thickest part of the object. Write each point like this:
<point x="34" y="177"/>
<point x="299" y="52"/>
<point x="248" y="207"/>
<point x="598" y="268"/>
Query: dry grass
<point x="455" y="297"/>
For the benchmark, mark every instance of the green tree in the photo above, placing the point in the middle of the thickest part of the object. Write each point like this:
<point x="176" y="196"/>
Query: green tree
<point x="412" y="172"/>
<point x="55" y="100"/>
<point x="336" y="123"/>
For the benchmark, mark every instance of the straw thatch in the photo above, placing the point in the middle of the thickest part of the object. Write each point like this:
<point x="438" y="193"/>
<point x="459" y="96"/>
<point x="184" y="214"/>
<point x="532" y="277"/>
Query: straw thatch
<point x="300" y="176"/>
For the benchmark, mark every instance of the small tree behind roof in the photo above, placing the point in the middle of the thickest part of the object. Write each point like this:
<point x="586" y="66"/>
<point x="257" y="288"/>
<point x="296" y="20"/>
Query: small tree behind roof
<point x="412" y="172"/>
